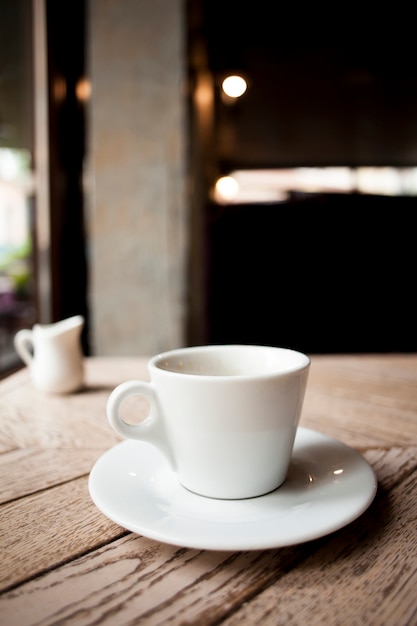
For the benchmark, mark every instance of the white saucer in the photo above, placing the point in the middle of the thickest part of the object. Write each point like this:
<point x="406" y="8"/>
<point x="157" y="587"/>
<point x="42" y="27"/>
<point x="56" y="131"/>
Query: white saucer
<point x="328" y="485"/>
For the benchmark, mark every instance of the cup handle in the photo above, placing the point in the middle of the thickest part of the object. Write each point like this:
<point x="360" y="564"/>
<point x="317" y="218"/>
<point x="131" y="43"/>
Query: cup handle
<point x="151" y="429"/>
<point x="23" y="342"/>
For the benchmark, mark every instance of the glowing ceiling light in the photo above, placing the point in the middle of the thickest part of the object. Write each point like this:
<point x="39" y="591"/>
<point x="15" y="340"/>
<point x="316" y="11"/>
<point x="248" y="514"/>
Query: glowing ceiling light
<point x="83" y="90"/>
<point x="226" y="188"/>
<point x="234" y="86"/>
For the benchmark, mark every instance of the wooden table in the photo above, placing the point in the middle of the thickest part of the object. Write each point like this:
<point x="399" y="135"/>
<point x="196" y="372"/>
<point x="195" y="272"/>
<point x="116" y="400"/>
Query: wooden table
<point x="63" y="562"/>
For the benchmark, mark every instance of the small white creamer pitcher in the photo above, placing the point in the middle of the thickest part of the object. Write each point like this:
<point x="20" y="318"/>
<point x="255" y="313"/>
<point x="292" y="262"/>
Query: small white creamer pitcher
<point x="53" y="354"/>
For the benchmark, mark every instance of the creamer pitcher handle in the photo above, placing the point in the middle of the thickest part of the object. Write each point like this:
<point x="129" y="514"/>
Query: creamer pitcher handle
<point x="23" y="342"/>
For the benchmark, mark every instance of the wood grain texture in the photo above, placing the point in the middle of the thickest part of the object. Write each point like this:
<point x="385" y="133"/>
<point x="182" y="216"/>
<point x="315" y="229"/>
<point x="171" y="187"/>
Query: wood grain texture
<point x="33" y="529"/>
<point x="63" y="562"/>
<point x="160" y="584"/>
<point x="27" y="470"/>
<point x="366" y="398"/>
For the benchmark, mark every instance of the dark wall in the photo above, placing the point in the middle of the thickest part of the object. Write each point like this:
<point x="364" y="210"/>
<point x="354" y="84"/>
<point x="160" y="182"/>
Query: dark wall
<point x="328" y="84"/>
<point x="323" y="274"/>
<point x="66" y="42"/>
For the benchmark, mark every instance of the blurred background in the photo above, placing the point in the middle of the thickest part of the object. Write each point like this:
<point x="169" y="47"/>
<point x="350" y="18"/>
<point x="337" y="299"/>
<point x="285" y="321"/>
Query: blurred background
<point x="135" y="191"/>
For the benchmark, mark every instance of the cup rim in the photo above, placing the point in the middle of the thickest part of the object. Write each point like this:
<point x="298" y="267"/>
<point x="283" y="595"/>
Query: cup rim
<point x="302" y="364"/>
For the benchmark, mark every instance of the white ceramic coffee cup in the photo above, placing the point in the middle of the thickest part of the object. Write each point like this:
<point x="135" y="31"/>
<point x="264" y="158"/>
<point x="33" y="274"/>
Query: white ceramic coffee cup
<point x="225" y="416"/>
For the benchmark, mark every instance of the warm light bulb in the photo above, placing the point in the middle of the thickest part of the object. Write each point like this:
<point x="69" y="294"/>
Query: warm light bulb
<point x="226" y="188"/>
<point x="234" y="86"/>
<point x="83" y="90"/>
